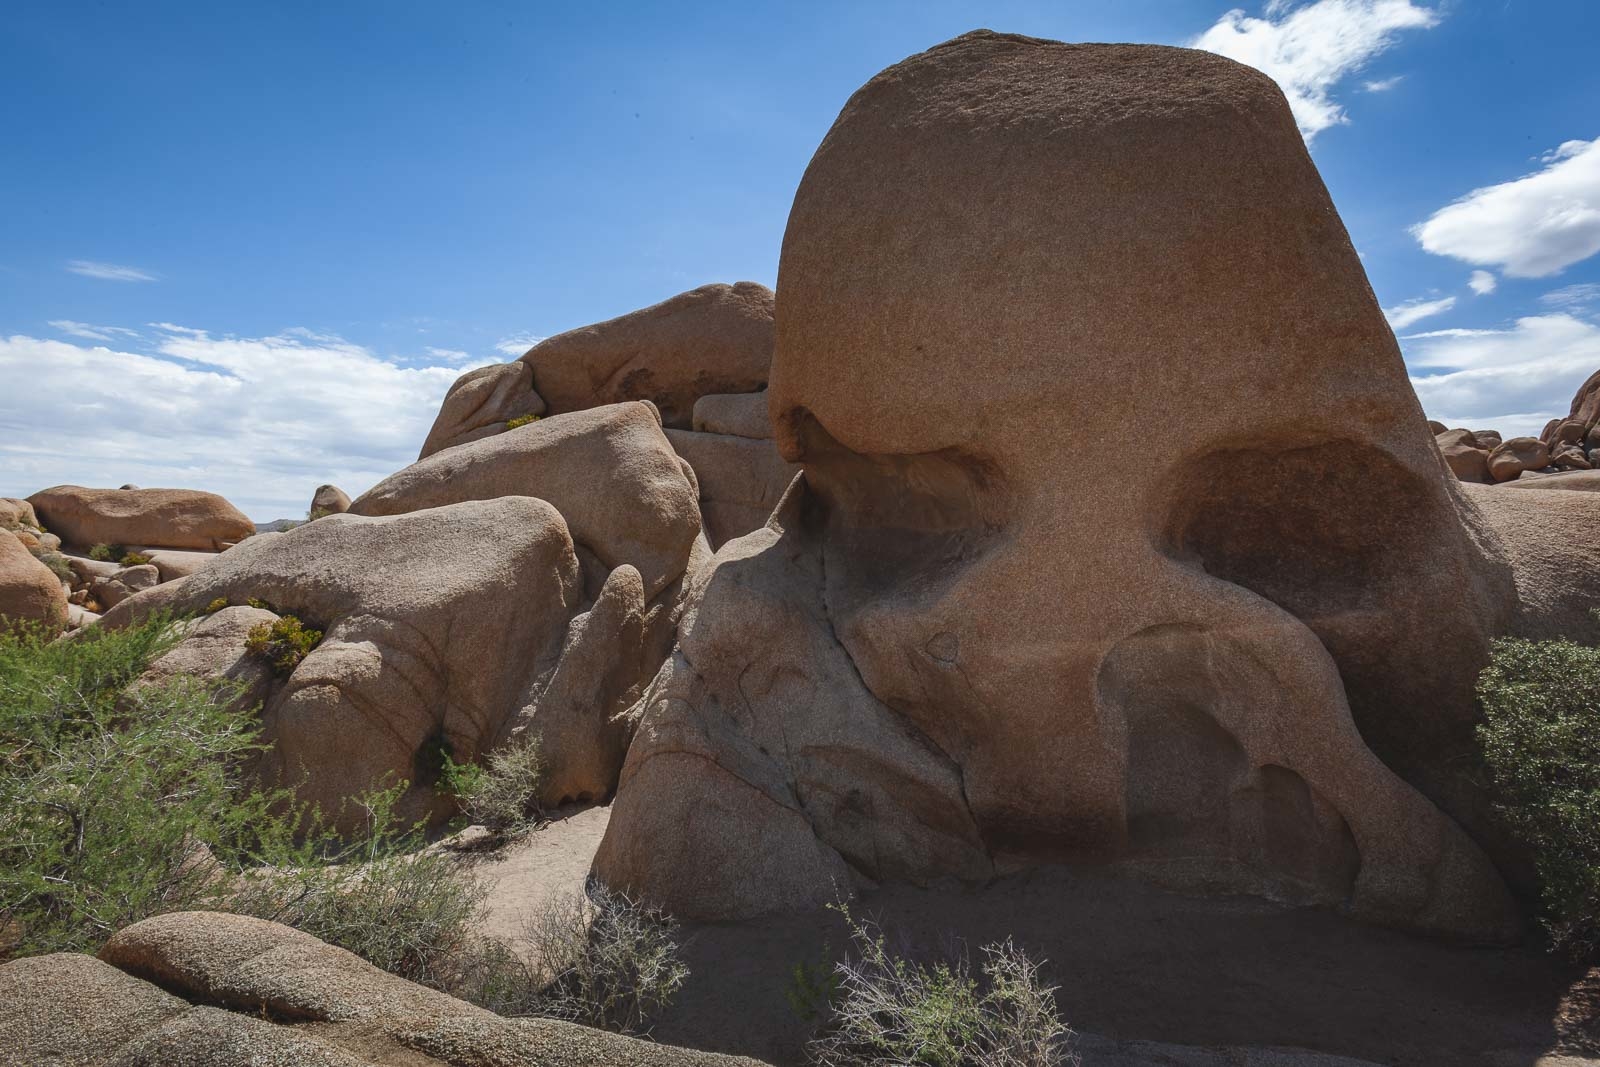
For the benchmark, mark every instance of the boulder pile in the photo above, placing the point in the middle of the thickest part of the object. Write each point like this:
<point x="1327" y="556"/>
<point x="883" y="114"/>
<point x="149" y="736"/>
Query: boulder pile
<point x="1555" y="459"/>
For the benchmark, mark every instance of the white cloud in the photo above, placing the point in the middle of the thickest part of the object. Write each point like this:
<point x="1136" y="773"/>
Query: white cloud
<point x="1530" y="227"/>
<point x="517" y="344"/>
<point x="262" y="421"/>
<point x="1382" y="85"/>
<point x="109" y="271"/>
<point x="1413" y="311"/>
<point x="453" y="356"/>
<point x="91" y="333"/>
<point x="1309" y="50"/>
<point x="1573" y="297"/>
<point x="1482" y="282"/>
<point x="167" y="327"/>
<point x="1513" y="380"/>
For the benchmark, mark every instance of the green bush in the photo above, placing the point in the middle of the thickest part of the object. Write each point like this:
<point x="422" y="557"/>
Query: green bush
<point x="119" y="803"/>
<point x="107" y="553"/>
<point x="57" y="563"/>
<point x="133" y="559"/>
<point x="317" y="513"/>
<point x="283" y="643"/>
<point x="889" y="1011"/>
<point x="1541" y="744"/>
<point x="520" y="420"/>
<point x="503" y="794"/>
<point x="216" y="605"/>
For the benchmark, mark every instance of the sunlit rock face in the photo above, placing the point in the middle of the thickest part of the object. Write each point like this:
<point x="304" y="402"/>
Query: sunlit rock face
<point x="1121" y="536"/>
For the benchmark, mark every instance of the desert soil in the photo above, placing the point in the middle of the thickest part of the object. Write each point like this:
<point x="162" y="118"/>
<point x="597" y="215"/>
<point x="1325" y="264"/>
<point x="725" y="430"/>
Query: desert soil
<point x="1134" y="964"/>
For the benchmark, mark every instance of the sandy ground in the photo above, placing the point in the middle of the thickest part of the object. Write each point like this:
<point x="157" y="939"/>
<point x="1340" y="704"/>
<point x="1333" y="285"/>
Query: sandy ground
<point x="1134" y="963"/>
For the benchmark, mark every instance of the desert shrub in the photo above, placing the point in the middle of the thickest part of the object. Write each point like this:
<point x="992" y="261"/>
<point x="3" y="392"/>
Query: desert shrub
<point x="107" y="553"/>
<point x="257" y="602"/>
<point x="216" y="605"/>
<point x="57" y="563"/>
<point x="603" y="958"/>
<point x="119" y="803"/>
<point x="133" y="559"/>
<point x="890" y="1011"/>
<point x="317" y="513"/>
<point x="283" y="643"/>
<point x="107" y="796"/>
<point x="503" y="793"/>
<point x="378" y="893"/>
<point x="1541" y="743"/>
<point x="520" y="420"/>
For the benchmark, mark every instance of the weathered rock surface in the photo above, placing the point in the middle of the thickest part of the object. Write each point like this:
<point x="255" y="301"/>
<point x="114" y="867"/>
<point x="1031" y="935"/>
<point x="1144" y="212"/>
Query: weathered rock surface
<point x="609" y="471"/>
<point x="329" y="500"/>
<point x="15" y="513"/>
<point x="29" y="591"/>
<point x="740" y="480"/>
<point x="1510" y="458"/>
<point x="1581" y="480"/>
<point x="1467" y="458"/>
<point x="714" y="339"/>
<point x="480" y="403"/>
<point x="174" y="563"/>
<point x="166" y="518"/>
<point x="958" y="647"/>
<point x="438" y="626"/>
<point x="739" y="414"/>
<point x="327" y="1008"/>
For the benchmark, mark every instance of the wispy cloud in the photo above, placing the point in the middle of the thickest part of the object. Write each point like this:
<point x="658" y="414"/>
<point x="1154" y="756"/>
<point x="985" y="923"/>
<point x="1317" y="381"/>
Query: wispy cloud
<point x="262" y="420"/>
<point x="1310" y="49"/>
<point x="1413" y="311"/>
<point x="1482" y="282"/>
<point x="1531" y="227"/>
<point x="1513" y="379"/>
<point x="109" y="272"/>
<point x="91" y="333"/>
<point x="517" y="344"/>
<point x="1382" y="85"/>
<point x="1573" y="297"/>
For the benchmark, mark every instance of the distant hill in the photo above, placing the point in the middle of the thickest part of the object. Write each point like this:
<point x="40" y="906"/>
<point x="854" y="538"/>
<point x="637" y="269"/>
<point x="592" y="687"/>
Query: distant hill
<point x="277" y="525"/>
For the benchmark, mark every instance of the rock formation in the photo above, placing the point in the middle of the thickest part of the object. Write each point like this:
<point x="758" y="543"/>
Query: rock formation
<point x="218" y="990"/>
<point x="959" y="647"/>
<point x="328" y="500"/>
<point x="29" y="592"/>
<point x="480" y="403"/>
<point x="459" y="611"/>
<point x="714" y="339"/>
<point x="162" y="518"/>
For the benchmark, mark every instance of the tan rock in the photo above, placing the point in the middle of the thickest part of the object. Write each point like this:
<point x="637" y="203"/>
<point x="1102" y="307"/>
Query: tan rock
<point x="1511" y="458"/>
<point x="113" y="590"/>
<point x="168" y="518"/>
<point x="957" y="644"/>
<point x="739" y="481"/>
<point x="15" y="513"/>
<point x="1581" y="480"/>
<point x="480" y="403"/>
<point x="436" y="624"/>
<point x="714" y="339"/>
<point x="174" y="563"/>
<point x="329" y="500"/>
<point x="29" y="592"/>
<point x="1487" y="438"/>
<point x="1569" y="457"/>
<point x="1436" y="427"/>
<point x="255" y="993"/>
<point x="610" y="472"/>
<point x="1467" y="460"/>
<point x="739" y="414"/>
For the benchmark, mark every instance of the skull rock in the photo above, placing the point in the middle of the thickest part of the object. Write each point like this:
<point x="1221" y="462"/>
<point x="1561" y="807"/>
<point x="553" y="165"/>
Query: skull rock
<point x="967" y="641"/>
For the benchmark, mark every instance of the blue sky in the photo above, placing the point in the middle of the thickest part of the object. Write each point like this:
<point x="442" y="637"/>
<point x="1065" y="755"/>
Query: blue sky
<point x="246" y="247"/>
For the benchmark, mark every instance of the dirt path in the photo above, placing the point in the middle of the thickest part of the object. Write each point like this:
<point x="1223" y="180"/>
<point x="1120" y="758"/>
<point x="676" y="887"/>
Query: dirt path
<point x="1134" y="963"/>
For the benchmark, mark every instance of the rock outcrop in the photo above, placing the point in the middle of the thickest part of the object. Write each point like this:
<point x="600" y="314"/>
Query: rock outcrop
<point x="739" y="480"/>
<point x="163" y="518"/>
<point x="205" y="989"/>
<point x="480" y="403"/>
<point x="30" y="593"/>
<point x="958" y="647"/>
<point x="459" y="611"/>
<point x="714" y="339"/>
<point x="328" y="500"/>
